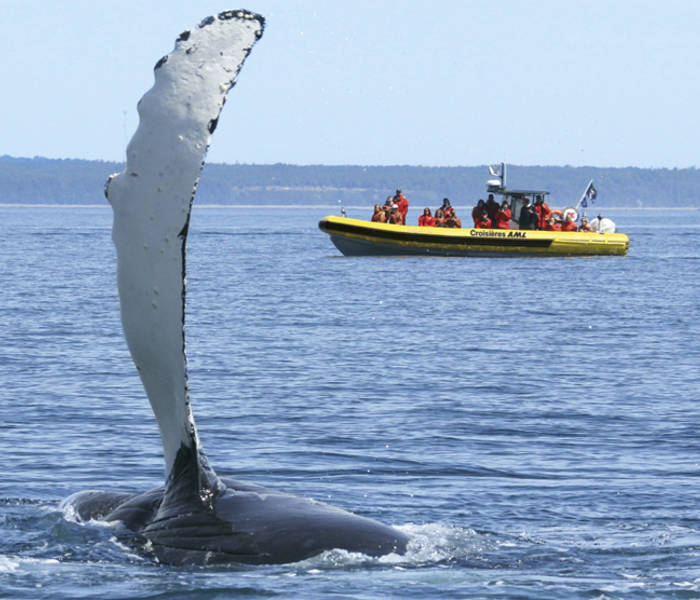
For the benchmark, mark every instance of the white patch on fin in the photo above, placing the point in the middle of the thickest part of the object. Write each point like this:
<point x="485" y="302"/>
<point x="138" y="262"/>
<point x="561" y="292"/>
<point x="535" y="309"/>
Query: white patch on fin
<point x="152" y="198"/>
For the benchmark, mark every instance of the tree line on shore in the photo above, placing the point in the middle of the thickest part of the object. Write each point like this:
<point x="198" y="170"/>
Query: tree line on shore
<point x="75" y="181"/>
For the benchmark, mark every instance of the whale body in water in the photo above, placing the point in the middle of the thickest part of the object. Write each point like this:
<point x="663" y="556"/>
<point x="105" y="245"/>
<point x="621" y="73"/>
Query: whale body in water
<point x="196" y="517"/>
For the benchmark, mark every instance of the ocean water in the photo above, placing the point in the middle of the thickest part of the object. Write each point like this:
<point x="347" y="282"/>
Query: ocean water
<point x="531" y="423"/>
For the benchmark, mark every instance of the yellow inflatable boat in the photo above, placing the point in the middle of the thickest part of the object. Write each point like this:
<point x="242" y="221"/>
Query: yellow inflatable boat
<point x="354" y="237"/>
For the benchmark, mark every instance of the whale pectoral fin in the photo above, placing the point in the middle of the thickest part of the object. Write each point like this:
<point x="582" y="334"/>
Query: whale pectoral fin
<point x="196" y="518"/>
<point x="152" y="198"/>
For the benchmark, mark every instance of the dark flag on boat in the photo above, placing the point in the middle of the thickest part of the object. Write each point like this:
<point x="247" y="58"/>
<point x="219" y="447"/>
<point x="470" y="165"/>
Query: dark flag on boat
<point x="589" y="194"/>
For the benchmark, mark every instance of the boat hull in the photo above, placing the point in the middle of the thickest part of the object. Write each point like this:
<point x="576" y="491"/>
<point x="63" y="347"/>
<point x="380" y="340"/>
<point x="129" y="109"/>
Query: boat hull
<point x="354" y="237"/>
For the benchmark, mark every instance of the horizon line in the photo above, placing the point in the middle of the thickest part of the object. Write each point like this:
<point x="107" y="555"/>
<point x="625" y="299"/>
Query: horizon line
<point x="370" y="166"/>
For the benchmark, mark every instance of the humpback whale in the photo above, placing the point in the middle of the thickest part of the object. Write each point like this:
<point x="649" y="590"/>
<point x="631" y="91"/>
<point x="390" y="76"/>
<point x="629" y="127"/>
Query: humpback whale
<point x="196" y="517"/>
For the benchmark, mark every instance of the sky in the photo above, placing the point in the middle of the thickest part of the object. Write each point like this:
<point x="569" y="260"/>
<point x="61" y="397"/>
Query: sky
<point x="607" y="83"/>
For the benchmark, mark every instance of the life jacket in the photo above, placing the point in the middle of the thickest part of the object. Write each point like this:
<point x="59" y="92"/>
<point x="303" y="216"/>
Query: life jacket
<point x="476" y="213"/>
<point x="402" y="203"/>
<point x="492" y="208"/>
<point x="543" y="213"/>
<point x="503" y="218"/>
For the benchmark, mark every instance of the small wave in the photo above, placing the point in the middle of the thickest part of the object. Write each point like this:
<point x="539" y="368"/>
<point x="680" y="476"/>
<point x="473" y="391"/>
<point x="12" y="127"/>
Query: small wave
<point x="11" y="564"/>
<point x="8" y="564"/>
<point x="438" y="543"/>
<point x="430" y="544"/>
<point x="20" y="502"/>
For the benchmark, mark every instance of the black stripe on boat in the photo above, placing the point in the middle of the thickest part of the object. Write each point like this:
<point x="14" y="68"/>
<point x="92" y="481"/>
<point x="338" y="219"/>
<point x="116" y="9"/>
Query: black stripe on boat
<point x="426" y="238"/>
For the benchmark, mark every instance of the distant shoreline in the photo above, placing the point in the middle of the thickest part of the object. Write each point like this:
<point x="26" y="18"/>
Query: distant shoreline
<point x="80" y="182"/>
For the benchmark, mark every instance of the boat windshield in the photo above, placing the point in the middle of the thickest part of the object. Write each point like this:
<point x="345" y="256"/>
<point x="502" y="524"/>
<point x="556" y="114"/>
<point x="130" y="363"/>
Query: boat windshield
<point x="516" y="199"/>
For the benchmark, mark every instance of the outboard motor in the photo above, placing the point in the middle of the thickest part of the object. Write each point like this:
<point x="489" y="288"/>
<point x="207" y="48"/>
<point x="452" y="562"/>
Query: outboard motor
<point x="603" y="225"/>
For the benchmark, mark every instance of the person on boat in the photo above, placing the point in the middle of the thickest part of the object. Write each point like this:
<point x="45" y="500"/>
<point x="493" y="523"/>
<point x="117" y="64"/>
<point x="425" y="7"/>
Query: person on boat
<point x="379" y="215"/>
<point x="503" y="216"/>
<point x="394" y="216"/>
<point x="543" y="211"/>
<point x="585" y="225"/>
<point x="454" y="221"/>
<point x="528" y="215"/>
<point x="426" y="219"/>
<point x="447" y="209"/>
<point x="492" y="208"/>
<point x="552" y="224"/>
<point x="569" y="224"/>
<point x="477" y="210"/>
<point x="401" y="201"/>
<point x="440" y="218"/>
<point x="483" y="222"/>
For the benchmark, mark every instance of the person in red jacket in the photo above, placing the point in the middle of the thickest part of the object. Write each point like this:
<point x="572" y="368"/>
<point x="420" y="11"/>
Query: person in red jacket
<point x="477" y="210"/>
<point x="379" y="215"/>
<point x="483" y="222"/>
<point x="503" y="216"/>
<point x="440" y="218"/>
<point x="454" y="221"/>
<point x="569" y="224"/>
<point x="543" y="212"/>
<point x="552" y="225"/>
<point x="426" y="219"/>
<point x="492" y="208"/>
<point x="446" y="207"/>
<point x="401" y="201"/>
